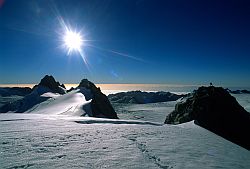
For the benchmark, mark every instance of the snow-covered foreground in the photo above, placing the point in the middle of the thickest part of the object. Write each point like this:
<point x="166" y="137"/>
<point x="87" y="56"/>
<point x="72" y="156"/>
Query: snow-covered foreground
<point x="52" y="135"/>
<point x="58" y="141"/>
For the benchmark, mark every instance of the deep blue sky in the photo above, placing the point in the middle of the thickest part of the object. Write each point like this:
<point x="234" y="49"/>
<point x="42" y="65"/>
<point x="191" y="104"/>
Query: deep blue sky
<point x="177" y="42"/>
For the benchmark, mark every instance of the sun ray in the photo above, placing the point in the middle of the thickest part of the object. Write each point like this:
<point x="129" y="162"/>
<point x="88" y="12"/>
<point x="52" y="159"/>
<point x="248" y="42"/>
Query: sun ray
<point x="83" y="56"/>
<point x="119" y="53"/>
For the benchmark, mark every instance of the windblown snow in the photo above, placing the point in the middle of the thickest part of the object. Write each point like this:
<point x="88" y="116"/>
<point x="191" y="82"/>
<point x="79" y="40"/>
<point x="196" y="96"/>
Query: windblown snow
<point x="76" y="102"/>
<point x="52" y="135"/>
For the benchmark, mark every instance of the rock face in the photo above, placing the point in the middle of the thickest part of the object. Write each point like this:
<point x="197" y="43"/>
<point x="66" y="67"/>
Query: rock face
<point x="50" y="83"/>
<point x="216" y="110"/>
<point x="100" y="104"/>
<point x="140" y="97"/>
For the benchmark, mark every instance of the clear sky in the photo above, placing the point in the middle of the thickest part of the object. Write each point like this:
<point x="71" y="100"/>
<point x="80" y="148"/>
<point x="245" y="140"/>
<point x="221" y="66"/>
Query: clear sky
<point x="129" y="41"/>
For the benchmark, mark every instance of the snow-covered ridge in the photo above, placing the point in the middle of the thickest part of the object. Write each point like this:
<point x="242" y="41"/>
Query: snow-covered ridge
<point x="76" y="102"/>
<point x="51" y="97"/>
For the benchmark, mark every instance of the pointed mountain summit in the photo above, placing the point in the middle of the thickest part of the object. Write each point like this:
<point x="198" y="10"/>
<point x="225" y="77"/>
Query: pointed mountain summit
<point x="50" y="83"/>
<point x="100" y="105"/>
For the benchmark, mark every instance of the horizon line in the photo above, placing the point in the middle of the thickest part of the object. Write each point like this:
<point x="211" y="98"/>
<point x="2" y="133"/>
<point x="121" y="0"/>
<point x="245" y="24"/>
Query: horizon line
<point x="126" y="86"/>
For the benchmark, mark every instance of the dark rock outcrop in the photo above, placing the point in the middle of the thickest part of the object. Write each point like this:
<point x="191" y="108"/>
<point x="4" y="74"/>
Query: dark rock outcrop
<point x="140" y="97"/>
<point x="100" y="104"/>
<point x="50" y="83"/>
<point x="11" y="91"/>
<point x="216" y="110"/>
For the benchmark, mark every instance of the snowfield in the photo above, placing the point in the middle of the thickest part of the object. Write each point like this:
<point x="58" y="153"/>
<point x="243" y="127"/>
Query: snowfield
<point x="52" y="135"/>
<point x="155" y="112"/>
<point x="58" y="141"/>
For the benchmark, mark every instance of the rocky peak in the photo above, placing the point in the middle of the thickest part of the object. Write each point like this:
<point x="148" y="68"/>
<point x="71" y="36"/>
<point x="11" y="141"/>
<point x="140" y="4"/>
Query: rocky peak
<point x="89" y="85"/>
<point x="52" y="84"/>
<point x="85" y="83"/>
<point x="216" y="110"/>
<point x="100" y="105"/>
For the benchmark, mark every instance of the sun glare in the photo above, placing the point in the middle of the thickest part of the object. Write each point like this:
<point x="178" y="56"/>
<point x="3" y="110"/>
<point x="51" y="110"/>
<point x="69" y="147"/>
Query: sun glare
<point x="73" y="41"/>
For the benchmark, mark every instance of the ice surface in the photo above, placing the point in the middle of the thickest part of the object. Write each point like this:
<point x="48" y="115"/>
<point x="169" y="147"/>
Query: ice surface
<point x="58" y="141"/>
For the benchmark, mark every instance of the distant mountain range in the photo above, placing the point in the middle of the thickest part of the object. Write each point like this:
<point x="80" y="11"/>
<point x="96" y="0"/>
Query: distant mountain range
<point x="140" y="97"/>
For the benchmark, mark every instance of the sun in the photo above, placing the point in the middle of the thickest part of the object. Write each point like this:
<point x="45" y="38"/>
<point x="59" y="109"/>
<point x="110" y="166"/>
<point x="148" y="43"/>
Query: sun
<point x="73" y="41"/>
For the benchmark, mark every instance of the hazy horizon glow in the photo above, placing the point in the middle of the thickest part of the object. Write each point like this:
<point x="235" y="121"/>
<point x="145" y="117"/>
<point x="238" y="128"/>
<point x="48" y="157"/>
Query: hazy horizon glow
<point x="114" y="88"/>
<point x="106" y="86"/>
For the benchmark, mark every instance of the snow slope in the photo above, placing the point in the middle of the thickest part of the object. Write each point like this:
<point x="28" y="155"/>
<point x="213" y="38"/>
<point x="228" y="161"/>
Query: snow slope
<point x="76" y="102"/>
<point x="244" y="100"/>
<point x="58" y="141"/>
